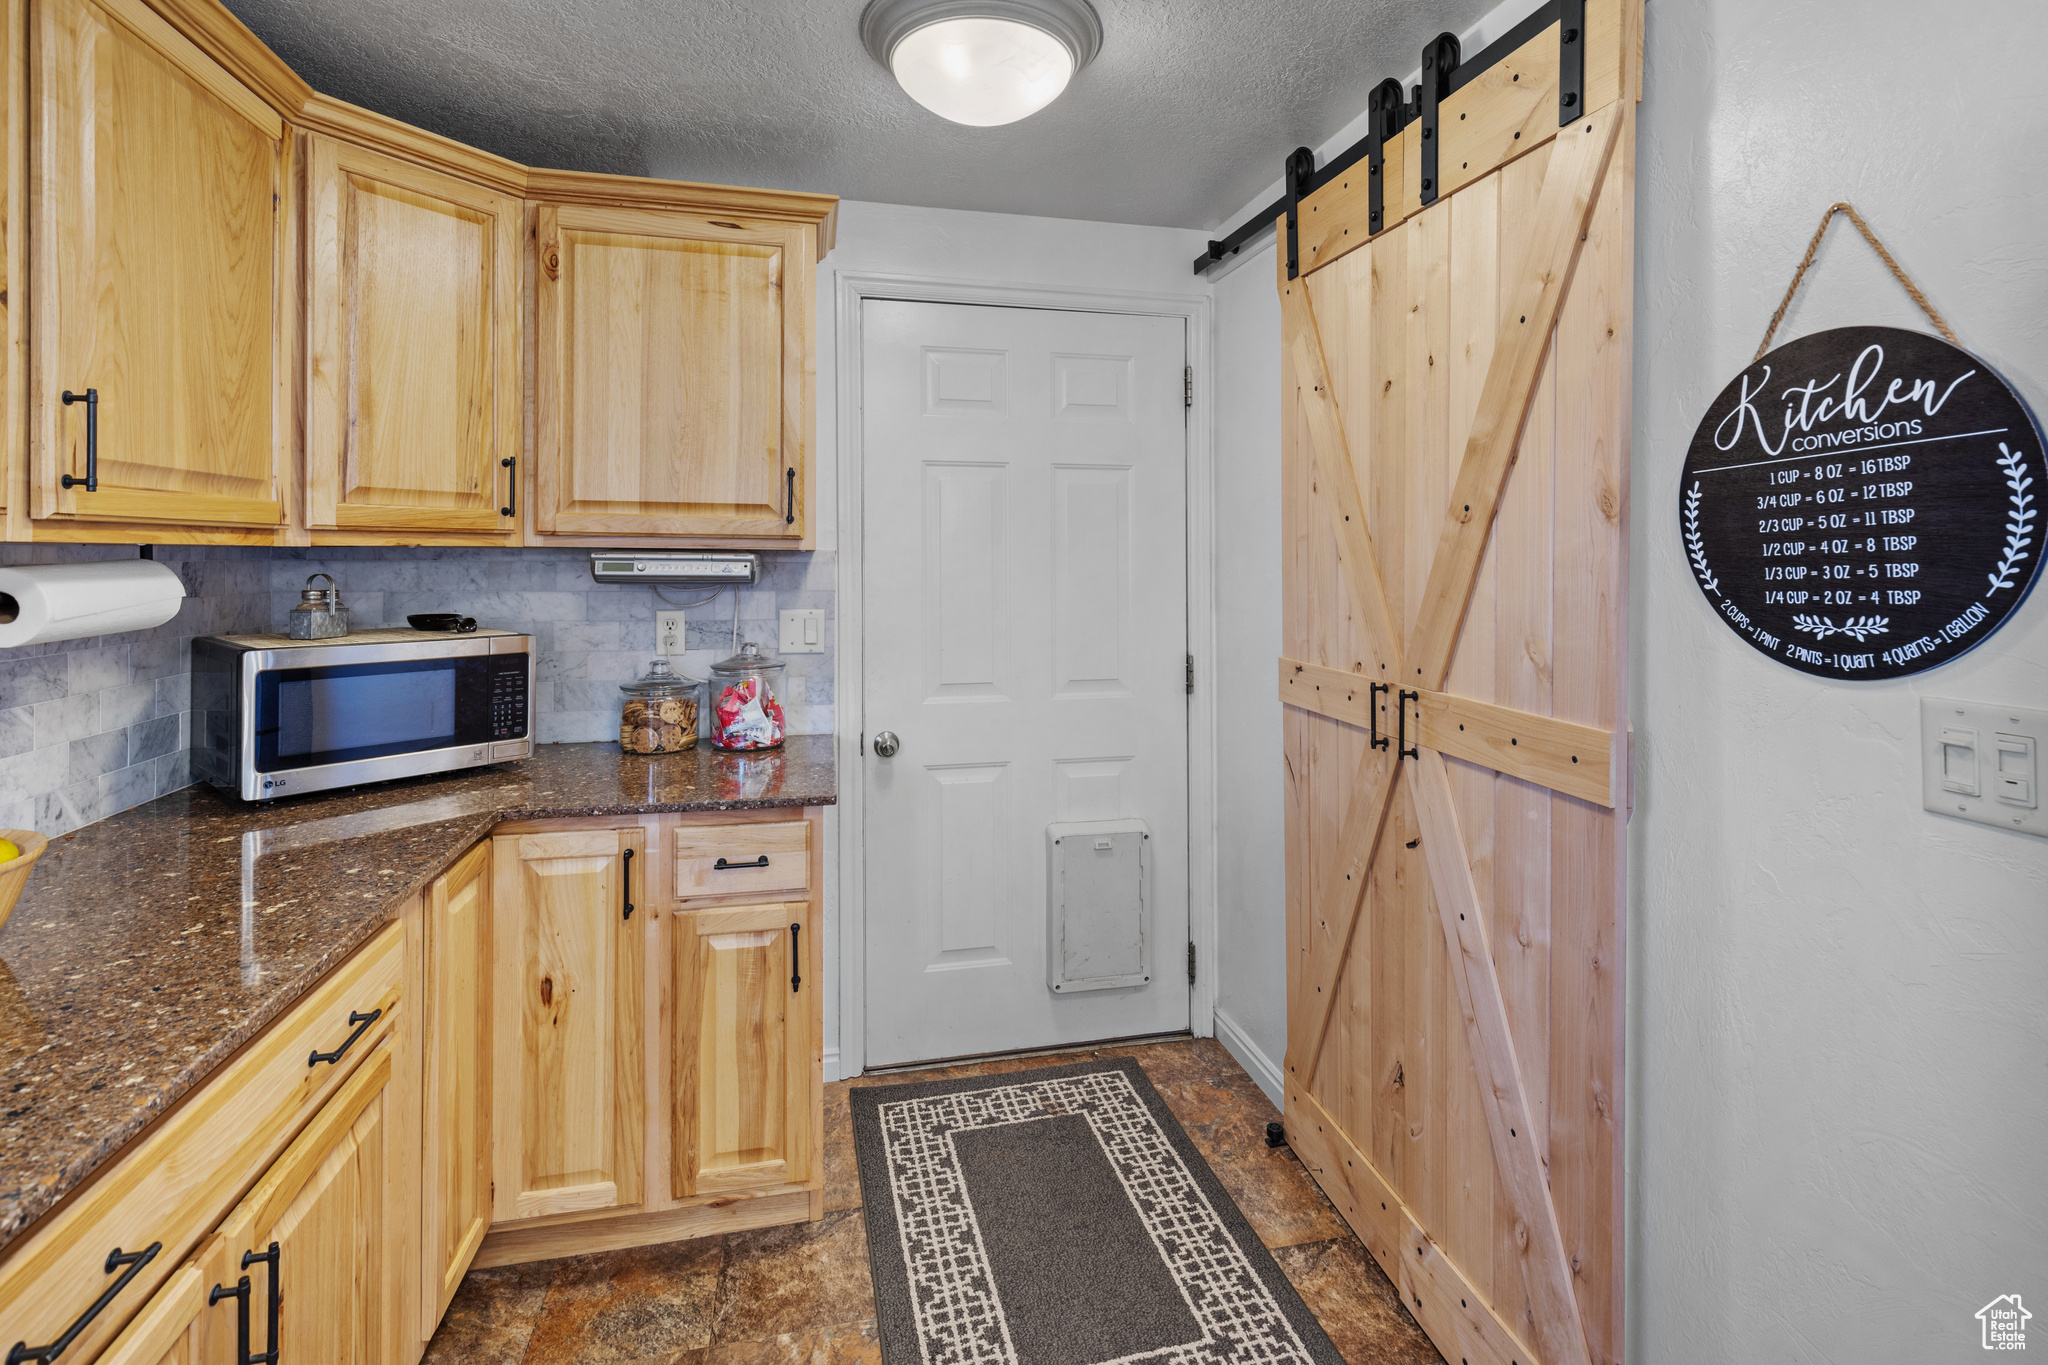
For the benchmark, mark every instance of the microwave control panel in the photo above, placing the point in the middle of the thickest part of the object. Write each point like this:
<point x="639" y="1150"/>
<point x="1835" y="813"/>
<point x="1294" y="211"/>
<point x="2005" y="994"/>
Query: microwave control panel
<point x="508" y="695"/>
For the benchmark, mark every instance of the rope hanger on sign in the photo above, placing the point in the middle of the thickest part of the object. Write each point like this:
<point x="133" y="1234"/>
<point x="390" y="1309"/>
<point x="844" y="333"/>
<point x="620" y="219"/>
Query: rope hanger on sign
<point x="1898" y="273"/>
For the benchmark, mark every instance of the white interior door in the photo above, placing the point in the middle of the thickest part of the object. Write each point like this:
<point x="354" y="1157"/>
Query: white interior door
<point x="1025" y="601"/>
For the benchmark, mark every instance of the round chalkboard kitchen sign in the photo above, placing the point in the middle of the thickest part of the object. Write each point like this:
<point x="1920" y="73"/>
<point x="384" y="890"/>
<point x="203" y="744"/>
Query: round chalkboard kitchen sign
<point x="1864" y="502"/>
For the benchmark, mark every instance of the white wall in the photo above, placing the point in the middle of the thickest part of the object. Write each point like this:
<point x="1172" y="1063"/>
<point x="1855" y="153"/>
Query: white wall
<point x="1251" y="1005"/>
<point x="1839" y="1051"/>
<point x="987" y="248"/>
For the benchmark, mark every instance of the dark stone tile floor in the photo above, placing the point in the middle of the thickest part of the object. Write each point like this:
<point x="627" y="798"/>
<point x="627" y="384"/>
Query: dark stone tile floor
<point x="800" y="1294"/>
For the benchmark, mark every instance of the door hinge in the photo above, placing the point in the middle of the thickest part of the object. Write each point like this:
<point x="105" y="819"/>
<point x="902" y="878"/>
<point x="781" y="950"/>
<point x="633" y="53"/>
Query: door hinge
<point x="1191" y="675"/>
<point x="1187" y="399"/>
<point x="1191" y="963"/>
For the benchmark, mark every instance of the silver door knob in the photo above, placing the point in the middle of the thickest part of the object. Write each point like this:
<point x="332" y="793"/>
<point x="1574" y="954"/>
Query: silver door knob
<point x="886" y="744"/>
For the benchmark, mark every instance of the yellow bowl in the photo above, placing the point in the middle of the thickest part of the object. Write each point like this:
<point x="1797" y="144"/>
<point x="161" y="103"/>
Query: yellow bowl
<point x="14" y="872"/>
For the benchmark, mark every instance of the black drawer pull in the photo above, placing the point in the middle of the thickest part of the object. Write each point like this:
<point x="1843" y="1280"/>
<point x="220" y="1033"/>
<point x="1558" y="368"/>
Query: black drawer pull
<point x="510" y="464"/>
<point x="362" y="1024"/>
<point x="91" y="482"/>
<point x="795" y="959"/>
<point x="790" y="520"/>
<point x="723" y="866"/>
<point x="116" y="1258"/>
<point x="626" y="881"/>
<point x="1379" y="741"/>
<point x="275" y="1258"/>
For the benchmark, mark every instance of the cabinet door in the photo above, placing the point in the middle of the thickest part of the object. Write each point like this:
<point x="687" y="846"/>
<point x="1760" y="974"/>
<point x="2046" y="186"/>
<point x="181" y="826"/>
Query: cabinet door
<point x="412" y="346"/>
<point x="672" y="375"/>
<point x="569" y="1109"/>
<point x="456" y="1200"/>
<point x="325" y="1206"/>
<point x="742" y="1051"/>
<point x="155" y="264"/>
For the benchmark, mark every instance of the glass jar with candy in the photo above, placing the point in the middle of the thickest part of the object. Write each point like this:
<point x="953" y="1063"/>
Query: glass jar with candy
<point x="745" y="711"/>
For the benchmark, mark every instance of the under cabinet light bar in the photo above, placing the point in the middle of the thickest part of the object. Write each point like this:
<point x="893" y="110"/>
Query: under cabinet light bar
<point x="674" y="567"/>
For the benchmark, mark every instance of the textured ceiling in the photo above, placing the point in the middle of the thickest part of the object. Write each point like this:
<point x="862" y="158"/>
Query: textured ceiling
<point x="1184" y="116"/>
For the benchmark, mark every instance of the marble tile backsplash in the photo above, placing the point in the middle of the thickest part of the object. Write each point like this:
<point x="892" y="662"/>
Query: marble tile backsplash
<point x="589" y="637"/>
<point x="91" y="727"/>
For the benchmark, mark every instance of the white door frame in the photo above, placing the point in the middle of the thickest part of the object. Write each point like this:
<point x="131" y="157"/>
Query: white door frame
<point x="851" y="288"/>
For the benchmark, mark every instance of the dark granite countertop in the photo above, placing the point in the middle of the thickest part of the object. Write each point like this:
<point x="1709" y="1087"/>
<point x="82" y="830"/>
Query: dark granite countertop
<point x="148" y="947"/>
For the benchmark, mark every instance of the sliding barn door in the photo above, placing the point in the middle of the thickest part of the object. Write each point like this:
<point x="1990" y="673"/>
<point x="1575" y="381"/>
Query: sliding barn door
<point x="1456" y="457"/>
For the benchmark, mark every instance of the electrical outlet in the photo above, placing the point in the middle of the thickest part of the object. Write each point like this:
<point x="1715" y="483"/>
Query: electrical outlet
<point x="803" y="632"/>
<point x="668" y="633"/>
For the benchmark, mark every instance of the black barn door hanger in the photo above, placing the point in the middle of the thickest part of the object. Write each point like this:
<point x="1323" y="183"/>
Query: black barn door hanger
<point x="1444" y="72"/>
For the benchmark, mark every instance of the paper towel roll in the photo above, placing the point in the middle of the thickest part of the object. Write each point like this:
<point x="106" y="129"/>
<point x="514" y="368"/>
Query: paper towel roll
<point x="41" y="602"/>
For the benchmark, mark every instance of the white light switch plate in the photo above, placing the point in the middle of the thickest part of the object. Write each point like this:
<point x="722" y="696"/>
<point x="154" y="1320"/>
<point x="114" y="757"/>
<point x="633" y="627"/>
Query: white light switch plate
<point x="1983" y="763"/>
<point x="803" y="632"/>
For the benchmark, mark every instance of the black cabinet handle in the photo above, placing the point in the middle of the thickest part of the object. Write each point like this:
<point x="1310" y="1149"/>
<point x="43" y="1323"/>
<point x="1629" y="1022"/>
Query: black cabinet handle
<point x="795" y="959"/>
<point x="1379" y="741"/>
<point x="723" y="866"/>
<point x="275" y="1259"/>
<point x="117" y="1258"/>
<point x="1406" y="750"/>
<point x="362" y="1024"/>
<point x="790" y="520"/>
<point x="91" y="482"/>
<point x="626" y="882"/>
<point x="240" y="1293"/>
<point x="510" y="464"/>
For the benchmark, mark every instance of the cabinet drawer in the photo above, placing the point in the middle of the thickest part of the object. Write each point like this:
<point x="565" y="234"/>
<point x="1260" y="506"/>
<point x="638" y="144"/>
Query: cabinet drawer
<point x="178" y="1181"/>
<point x="742" y="860"/>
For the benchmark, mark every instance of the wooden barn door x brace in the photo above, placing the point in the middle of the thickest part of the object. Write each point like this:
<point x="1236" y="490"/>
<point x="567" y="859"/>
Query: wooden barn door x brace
<point x="1456" y="360"/>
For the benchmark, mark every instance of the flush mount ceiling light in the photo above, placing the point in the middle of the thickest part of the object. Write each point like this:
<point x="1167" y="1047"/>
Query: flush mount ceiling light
<point x="982" y="62"/>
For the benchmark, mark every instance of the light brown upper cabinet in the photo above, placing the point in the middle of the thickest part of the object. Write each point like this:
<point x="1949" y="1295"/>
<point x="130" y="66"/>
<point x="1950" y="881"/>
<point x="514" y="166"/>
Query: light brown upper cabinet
<point x="412" y="347"/>
<point x="673" y="373"/>
<point x="156" y="244"/>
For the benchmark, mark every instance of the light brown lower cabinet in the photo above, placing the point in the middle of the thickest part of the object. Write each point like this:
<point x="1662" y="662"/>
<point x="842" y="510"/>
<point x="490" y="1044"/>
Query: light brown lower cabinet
<point x="676" y="1047"/>
<point x="320" y="1240"/>
<point x="569" y="1100"/>
<point x="456" y="1105"/>
<point x="742" y="1049"/>
<point x="579" y="1037"/>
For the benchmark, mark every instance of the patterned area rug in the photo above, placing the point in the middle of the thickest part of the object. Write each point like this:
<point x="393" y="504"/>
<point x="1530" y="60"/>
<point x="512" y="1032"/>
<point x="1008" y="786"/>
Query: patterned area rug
<point x="1061" y="1217"/>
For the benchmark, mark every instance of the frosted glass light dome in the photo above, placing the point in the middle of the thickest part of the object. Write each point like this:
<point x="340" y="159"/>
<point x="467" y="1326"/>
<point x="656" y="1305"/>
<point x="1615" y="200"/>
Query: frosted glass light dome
<point x="982" y="72"/>
<point x="982" y="62"/>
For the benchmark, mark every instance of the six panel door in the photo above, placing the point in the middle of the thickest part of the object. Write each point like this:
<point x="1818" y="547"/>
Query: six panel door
<point x="1025" y="488"/>
<point x="457" y="1154"/>
<point x="412" y="347"/>
<point x="742" y="1048"/>
<point x="156" y="253"/>
<point x="671" y="380"/>
<point x="568" y="1098"/>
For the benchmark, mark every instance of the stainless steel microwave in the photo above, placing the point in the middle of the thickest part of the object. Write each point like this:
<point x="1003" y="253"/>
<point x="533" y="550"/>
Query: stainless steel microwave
<point x="273" y="716"/>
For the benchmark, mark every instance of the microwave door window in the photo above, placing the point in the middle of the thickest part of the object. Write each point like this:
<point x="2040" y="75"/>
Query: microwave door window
<point x="387" y="711"/>
<point x="307" y="717"/>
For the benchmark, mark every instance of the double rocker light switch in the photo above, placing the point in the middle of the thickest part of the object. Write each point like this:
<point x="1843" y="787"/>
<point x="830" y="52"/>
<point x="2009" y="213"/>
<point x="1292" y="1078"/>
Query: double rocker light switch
<point x="1982" y="762"/>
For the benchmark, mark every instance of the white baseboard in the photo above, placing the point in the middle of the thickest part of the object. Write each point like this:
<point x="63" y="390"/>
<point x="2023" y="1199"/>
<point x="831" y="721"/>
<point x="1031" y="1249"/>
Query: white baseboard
<point x="831" y="1065"/>
<point x="1261" y="1068"/>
